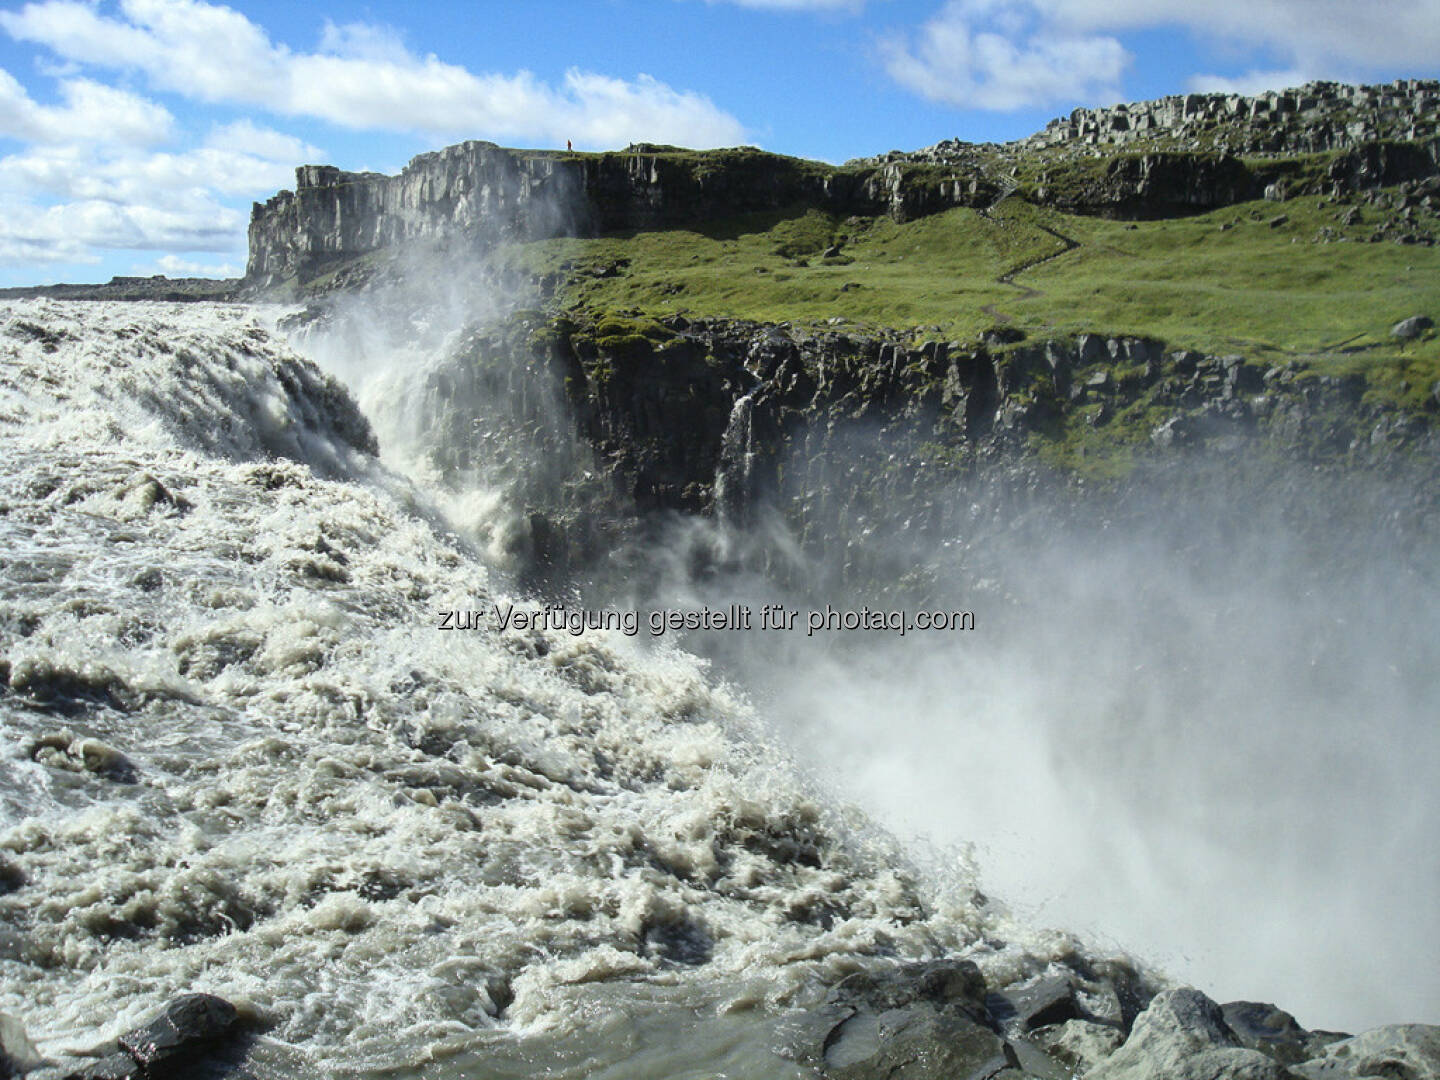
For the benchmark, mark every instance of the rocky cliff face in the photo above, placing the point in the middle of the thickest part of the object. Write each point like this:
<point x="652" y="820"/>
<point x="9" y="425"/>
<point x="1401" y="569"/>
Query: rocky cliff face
<point x="633" y="420"/>
<point x="476" y="194"/>
<point x="1175" y="155"/>
<point x="1315" y="118"/>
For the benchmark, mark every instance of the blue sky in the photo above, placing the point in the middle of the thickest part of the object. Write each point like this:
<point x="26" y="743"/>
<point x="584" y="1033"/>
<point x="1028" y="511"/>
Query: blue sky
<point x="134" y="134"/>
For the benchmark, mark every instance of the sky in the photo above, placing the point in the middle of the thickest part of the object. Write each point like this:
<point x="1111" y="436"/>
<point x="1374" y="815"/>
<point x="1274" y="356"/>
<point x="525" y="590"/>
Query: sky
<point x="135" y="134"/>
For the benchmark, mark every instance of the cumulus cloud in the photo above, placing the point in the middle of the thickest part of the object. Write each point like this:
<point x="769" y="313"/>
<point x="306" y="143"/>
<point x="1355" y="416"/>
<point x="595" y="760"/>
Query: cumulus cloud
<point x="175" y="266"/>
<point x="362" y="77"/>
<point x="91" y="111"/>
<point x="63" y="200"/>
<point x="979" y="54"/>
<point x="1005" y="55"/>
<point x="1325" y="36"/>
<point x="1252" y="82"/>
<point x="74" y="231"/>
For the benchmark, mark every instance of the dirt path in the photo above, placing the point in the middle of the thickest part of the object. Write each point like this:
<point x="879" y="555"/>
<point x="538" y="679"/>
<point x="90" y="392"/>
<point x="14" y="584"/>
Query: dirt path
<point x="1008" y="278"/>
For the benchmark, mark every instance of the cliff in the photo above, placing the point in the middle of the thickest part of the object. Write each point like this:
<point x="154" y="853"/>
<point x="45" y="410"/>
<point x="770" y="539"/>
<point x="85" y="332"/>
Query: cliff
<point x="478" y="194"/>
<point x="1151" y="159"/>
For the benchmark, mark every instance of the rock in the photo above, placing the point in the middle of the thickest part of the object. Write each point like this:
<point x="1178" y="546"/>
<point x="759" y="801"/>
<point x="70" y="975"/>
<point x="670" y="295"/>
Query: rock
<point x="914" y="1043"/>
<point x="17" y="1053"/>
<point x="1411" y="328"/>
<point x="11" y="877"/>
<point x="1183" y="1036"/>
<point x="942" y="982"/>
<point x="1176" y="431"/>
<point x="1092" y="348"/>
<point x="111" y="1067"/>
<point x="74" y="754"/>
<point x="117" y="1066"/>
<point x="187" y="1026"/>
<point x="1049" y="999"/>
<point x="912" y="1022"/>
<point x="1395" y="1052"/>
<point x="1079" y="1045"/>
<point x="1273" y="1032"/>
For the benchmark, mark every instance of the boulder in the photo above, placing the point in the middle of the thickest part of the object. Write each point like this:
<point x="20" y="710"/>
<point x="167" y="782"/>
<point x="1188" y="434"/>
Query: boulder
<point x="187" y="1026"/>
<point x="17" y="1052"/>
<point x="1411" y="328"/>
<point x="912" y="1022"/>
<point x="1394" y="1052"/>
<point x="918" y="1042"/>
<point x="1079" y="1045"/>
<point x="1183" y="1036"/>
<point x="1274" y="1032"/>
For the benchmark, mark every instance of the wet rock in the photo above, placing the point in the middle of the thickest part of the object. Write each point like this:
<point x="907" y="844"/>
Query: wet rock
<point x="1079" y="1045"/>
<point x="187" y="1026"/>
<point x="58" y="687"/>
<point x="17" y="1053"/>
<point x="1273" y="1032"/>
<point x="1049" y="999"/>
<point x="1394" y="1052"/>
<point x="1183" y="1036"/>
<point x="11" y="877"/>
<point x="915" y="1021"/>
<point x="1411" y="328"/>
<point x="1177" y="431"/>
<point x="118" y="1066"/>
<point x="915" y="1043"/>
<point x="75" y="754"/>
<point x="941" y="982"/>
<point x="143" y="494"/>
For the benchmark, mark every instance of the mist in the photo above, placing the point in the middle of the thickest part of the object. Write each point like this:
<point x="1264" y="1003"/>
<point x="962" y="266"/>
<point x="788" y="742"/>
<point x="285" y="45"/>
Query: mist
<point x="1195" y="721"/>
<point x="1204" y="734"/>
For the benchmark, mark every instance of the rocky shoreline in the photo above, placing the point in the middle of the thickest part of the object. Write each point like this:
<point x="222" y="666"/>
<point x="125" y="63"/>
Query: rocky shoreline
<point x="917" y="1021"/>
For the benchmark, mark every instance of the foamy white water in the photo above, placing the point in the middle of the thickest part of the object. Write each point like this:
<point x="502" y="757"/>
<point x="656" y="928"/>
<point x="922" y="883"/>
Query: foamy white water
<point x="241" y="758"/>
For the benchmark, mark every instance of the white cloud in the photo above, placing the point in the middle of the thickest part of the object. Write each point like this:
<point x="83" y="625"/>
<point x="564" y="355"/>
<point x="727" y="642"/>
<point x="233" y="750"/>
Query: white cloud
<point x="64" y="200"/>
<point x="175" y="266"/>
<point x="363" y="78"/>
<point x="92" y="112"/>
<point x="245" y="137"/>
<point x="1249" y="84"/>
<point x="158" y="179"/>
<point x="72" y="232"/>
<point x="977" y="54"/>
<point x="1320" y="35"/>
<point x="1006" y="54"/>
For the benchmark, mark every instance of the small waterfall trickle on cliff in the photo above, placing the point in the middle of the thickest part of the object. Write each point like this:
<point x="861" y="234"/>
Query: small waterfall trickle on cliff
<point x="734" y="493"/>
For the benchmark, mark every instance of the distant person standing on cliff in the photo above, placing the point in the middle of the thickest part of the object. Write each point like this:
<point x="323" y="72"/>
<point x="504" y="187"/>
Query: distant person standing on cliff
<point x="568" y="146"/>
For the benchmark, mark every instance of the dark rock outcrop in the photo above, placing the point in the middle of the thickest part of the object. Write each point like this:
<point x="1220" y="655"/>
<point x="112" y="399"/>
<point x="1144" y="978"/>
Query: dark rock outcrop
<point x="194" y="1036"/>
<point x="596" y="427"/>
<point x="1150" y="159"/>
<point x="473" y="195"/>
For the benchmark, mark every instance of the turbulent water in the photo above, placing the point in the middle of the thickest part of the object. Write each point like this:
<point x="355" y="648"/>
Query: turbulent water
<point x="242" y="756"/>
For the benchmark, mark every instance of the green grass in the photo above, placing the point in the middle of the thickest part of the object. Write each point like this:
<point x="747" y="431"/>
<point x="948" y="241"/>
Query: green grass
<point x="1223" y="282"/>
<point x="940" y="270"/>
